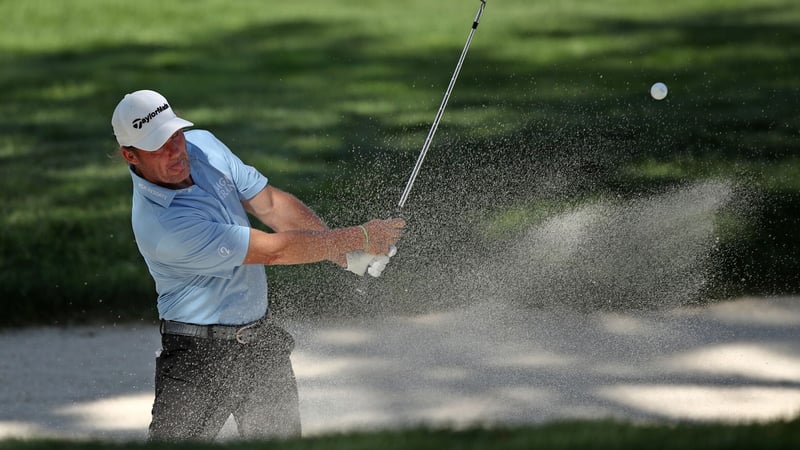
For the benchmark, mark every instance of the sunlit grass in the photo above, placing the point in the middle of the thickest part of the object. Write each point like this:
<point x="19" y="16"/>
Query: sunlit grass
<point x="556" y="436"/>
<point x="769" y="175"/>
<point x="310" y="91"/>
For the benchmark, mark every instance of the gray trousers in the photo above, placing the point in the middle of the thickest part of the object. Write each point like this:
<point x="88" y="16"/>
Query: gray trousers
<point x="200" y="382"/>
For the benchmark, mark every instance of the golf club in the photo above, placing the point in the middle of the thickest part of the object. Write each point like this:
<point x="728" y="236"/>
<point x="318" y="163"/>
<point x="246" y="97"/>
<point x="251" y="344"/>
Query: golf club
<point x="435" y="124"/>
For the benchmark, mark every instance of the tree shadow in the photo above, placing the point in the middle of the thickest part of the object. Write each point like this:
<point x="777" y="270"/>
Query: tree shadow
<point x="327" y="113"/>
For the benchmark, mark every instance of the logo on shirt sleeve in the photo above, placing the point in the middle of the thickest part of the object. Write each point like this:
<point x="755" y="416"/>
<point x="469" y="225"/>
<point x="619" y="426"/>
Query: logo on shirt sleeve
<point x="224" y="186"/>
<point x="224" y="251"/>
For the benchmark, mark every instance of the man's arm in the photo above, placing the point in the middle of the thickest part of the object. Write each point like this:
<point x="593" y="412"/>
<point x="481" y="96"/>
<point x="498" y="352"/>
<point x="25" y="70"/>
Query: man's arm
<point x="282" y="211"/>
<point x="301" y="237"/>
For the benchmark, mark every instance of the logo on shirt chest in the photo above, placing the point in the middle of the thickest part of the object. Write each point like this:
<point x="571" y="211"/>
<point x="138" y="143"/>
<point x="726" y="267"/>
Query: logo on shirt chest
<point x="224" y="186"/>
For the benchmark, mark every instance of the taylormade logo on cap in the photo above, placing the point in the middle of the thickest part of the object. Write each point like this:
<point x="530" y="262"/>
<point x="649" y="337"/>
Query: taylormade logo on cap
<point x="145" y="120"/>
<point x="137" y="123"/>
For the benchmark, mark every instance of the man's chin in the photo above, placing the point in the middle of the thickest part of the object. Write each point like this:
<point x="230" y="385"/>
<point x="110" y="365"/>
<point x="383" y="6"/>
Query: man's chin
<point x="180" y="173"/>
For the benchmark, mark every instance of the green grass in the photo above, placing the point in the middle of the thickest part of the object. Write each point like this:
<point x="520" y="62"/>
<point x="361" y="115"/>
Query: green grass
<point x="556" y="436"/>
<point x="332" y="99"/>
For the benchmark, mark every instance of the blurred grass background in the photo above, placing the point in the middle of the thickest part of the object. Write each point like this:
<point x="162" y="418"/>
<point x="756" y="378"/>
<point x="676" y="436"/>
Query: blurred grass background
<point x="332" y="100"/>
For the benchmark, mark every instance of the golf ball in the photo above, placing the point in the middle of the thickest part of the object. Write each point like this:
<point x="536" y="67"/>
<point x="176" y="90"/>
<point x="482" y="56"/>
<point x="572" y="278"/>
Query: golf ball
<point x="658" y="91"/>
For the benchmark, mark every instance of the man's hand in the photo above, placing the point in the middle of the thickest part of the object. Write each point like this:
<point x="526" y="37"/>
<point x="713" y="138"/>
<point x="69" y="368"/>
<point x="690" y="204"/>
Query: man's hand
<point x="359" y="262"/>
<point x="382" y="234"/>
<point x="380" y="237"/>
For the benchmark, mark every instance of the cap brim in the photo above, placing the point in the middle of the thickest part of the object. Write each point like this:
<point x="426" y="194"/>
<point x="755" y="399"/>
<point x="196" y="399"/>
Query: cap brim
<point x="159" y="136"/>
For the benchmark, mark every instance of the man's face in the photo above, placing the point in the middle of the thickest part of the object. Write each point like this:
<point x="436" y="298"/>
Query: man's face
<point x="168" y="166"/>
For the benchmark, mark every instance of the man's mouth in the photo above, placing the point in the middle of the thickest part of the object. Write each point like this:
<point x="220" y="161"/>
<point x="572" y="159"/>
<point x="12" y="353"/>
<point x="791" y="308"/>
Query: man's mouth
<point x="178" y="165"/>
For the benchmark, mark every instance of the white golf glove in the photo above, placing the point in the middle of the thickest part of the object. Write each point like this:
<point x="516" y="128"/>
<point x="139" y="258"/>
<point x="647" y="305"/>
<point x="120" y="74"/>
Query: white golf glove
<point x="359" y="262"/>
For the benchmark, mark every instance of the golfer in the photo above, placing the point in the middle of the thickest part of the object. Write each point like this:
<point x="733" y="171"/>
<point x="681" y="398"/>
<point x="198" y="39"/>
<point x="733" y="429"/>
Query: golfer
<point x="221" y="353"/>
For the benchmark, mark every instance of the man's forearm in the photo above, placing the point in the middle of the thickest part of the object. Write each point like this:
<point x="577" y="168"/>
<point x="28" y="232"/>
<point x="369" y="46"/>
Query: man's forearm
<point x="299" y="216"/>
<point x="306" y="246"/>
<point x="282" y="211"/>
<point x="302" y="246"/>
<point x="293" y="214"/>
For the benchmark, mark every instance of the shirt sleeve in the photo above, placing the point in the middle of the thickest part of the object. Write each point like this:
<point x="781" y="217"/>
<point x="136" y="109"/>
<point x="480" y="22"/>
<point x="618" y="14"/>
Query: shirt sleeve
<point x="247" y="179"/>
<point x="203" y="247"/>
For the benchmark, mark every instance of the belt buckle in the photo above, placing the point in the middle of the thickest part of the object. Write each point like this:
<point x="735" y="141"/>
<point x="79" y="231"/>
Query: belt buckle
<point x="239" y="333"/>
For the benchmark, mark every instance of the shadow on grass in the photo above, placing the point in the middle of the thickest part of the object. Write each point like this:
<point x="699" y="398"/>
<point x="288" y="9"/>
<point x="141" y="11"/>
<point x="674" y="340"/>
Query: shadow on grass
<point x="327" y="113"/>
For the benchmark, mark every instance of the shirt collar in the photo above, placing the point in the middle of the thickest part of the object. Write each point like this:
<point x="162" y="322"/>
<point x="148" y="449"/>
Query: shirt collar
<point x="151" y="191"/>
<point x="161" y="195"/>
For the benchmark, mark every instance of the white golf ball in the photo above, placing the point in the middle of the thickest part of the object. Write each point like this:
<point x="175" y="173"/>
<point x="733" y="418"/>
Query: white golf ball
<point x="658" y="91"/>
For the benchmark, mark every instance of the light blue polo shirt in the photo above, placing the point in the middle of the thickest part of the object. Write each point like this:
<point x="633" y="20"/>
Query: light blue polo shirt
<point x="194" y="240"/>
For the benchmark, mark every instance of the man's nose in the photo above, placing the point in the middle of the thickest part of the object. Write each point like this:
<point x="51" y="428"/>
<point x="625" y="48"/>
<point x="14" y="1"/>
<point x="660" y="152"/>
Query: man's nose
<point x="173" y="148"/>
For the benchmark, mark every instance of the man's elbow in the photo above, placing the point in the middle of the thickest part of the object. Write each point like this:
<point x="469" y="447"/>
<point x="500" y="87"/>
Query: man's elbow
<point x="262" y="249"/>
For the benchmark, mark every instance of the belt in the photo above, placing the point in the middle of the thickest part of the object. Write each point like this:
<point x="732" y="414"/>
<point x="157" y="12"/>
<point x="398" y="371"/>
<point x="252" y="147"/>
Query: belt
<point x="240" y="333"/>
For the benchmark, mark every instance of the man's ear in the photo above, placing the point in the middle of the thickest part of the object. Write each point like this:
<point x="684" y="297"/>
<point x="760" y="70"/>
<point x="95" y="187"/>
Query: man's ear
<point x="129" y="155"/>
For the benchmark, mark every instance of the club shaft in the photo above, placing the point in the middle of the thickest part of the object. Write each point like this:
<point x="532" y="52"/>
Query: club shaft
<point x="440" y="112"/>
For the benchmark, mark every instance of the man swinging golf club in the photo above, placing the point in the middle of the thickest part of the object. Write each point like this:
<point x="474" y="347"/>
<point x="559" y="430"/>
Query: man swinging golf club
<point x="221" y="354"/>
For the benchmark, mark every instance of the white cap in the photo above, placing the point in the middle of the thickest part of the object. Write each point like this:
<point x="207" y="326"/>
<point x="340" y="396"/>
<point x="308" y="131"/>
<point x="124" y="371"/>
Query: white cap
<point x="144" y="119"/>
